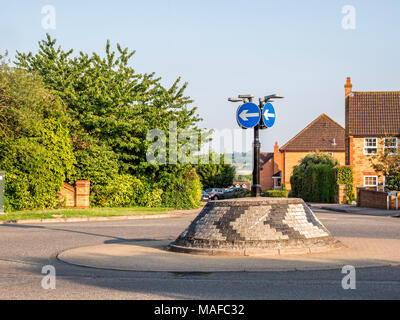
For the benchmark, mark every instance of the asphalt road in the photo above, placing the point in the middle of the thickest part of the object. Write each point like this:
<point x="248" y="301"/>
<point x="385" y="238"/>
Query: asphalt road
<point x="25" y="249"/>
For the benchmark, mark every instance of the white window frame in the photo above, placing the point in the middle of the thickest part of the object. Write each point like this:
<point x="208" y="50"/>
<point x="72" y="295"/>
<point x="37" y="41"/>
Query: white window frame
<point x="371" y="185"/>
<point x="391" y="147"/>
<point x="369" y="147"/>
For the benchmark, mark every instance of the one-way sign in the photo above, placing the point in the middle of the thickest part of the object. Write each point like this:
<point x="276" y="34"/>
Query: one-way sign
<point x="248" y="115"/>
<point x="269" y="115"/>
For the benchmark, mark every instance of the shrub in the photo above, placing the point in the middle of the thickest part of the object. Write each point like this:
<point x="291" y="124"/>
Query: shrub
<point x="217" y="175"/>
<point x="36" y="168"/>
<point x="35" y="145"/>
<point x="322" y="183"/>
<point x="181" y="188"/>
<point x="312" y="179"/>
<point x="275" y="193"/>
<point x="127" y="191"/>
<point x="344" y="175"/>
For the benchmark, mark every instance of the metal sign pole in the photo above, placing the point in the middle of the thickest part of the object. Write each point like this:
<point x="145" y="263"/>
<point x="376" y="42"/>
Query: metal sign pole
<point x="250" y="115"/>
<point x="2" y="183"/>
<point x="256" y="187"/>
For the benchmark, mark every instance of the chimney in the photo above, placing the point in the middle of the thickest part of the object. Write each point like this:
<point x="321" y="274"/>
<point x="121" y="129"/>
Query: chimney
<point x="348" y="87"/>
<point x="277" y="159"/>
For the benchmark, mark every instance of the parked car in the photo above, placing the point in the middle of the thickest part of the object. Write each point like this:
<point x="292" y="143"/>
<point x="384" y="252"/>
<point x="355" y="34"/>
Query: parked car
<point x="204" y="196"/>
<point x="215" y="193"/>
<point x="236" y="193"/>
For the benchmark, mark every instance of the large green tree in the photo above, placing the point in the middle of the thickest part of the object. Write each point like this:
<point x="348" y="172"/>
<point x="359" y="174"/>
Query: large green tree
<point x="109" y="103"/>
<point x="111" y="109"/>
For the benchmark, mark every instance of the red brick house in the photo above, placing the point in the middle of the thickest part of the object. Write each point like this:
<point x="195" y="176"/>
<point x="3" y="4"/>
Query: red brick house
<point x="372" y="124"/>
<point x="321" y="135"/>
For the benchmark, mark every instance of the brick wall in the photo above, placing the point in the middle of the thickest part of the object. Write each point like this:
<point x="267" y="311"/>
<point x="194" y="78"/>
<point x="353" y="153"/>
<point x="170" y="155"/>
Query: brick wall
<point x="375" y="199"/>
<point x="341" y="194"/>
<point x="82" y="194"/>
<point x="67" y="195"/>
<point x="78" y="197"/>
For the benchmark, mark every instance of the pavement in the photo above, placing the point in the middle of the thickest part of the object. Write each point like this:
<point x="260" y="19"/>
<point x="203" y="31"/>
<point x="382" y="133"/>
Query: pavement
<point x="353" y="209"/>
<point x="152" y="256"/>
<point x="27" y="248"/>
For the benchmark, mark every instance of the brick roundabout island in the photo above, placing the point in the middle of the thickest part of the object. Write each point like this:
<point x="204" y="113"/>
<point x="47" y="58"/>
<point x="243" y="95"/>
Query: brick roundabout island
<point x="255" y="226"/>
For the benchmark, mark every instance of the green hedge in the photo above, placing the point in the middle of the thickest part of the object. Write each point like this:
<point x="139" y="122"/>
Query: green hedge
<point x="181" y="186"/>
<point x="344" y="175"/>
<point x="275" y="193"/>
<point x="317" y="176"/>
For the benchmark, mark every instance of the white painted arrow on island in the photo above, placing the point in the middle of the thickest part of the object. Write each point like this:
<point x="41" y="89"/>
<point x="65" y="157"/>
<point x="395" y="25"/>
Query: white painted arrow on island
<point x="268" y="115"/>
<point x="244" y="115"/>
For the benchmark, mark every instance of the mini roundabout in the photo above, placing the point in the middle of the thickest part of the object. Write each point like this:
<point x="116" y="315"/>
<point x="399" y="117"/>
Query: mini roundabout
<point x="243" y="235"/>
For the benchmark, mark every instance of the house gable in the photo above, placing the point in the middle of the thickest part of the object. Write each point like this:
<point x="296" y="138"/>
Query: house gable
<point x="323" y="134"/>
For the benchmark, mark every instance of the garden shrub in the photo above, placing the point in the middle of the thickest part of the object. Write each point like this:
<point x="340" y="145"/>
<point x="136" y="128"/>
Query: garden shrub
<point x="275" y="193"/>
<point x="312" y="179"/>
<point x="36" y="168"/>
<point x="182" y="188"/>
<point x="344" y="175"/>
<point x="127" y="191"/>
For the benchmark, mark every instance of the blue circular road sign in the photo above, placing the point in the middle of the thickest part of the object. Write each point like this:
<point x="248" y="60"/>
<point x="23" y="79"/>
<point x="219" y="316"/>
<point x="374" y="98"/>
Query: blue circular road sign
<point x="269" y="115"/>
<point x="248" y="115"/>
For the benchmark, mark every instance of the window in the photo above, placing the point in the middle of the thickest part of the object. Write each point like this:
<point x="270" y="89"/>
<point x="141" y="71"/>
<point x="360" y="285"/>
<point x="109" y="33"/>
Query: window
<point x="390" y="145"/>
<point x="370" y="146"/>
<point x="370" y="181"/>
<point x="330" y="153"/>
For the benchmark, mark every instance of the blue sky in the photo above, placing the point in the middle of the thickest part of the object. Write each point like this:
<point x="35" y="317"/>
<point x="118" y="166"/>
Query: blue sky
<point x="222" y="48"/>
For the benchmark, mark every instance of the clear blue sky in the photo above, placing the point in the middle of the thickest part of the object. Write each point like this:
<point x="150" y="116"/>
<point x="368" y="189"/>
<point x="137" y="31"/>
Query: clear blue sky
<point x="226" y="47"/>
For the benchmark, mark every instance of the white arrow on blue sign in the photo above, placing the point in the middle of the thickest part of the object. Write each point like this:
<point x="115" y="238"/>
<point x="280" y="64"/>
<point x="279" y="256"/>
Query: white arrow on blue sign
<point x="269" y="115"/>
<point x="248" y="115"/>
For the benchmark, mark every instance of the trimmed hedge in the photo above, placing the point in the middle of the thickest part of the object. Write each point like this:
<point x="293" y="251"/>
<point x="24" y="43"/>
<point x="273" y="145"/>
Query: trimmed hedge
<point x="275" y="193"/>
<point x="317" y="176"/>
<point x="344" y="175"/>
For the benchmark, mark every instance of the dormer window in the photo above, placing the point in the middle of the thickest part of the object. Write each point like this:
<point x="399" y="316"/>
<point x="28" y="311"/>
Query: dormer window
<point x="370" y="146"/>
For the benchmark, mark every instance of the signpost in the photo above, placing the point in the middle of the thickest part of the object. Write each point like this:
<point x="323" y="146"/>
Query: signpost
<point x="269" y="115"/>
<point x="2" y="183"/>
<point x="248" y="116"/>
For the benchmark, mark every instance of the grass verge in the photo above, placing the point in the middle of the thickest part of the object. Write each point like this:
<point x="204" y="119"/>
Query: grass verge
<point x="82" y="213"/>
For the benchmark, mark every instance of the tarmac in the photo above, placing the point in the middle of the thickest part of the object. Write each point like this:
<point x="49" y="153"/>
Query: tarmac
<point x="153" y="256"/>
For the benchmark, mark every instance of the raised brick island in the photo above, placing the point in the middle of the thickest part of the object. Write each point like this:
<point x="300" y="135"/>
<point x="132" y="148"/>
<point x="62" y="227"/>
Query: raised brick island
<point x="252" y="226"/>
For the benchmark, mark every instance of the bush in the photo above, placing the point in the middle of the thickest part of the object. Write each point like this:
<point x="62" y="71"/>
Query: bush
<point x="218" y="175"/>
<point x="275" y="193"/>
<point x="127" y="191"/>
<point x="312" y="179"/>
<point x="36" y="168"/>
<point x="322" y="183"/>
<point x="181" y="188"/>
<point x="344" y="175"/>
<point x="35" y="145"/>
